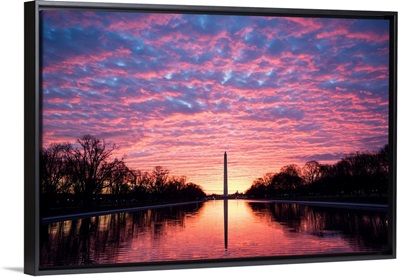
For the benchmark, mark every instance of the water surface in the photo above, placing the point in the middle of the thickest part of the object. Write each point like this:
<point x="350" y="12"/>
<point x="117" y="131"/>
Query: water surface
<point x="199" y="231"/>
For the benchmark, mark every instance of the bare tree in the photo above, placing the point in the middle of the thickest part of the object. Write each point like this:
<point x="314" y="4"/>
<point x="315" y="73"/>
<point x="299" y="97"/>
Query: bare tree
<point x="267" y="178"/>
<point x="384" y="158"/>
<point x="288" y="178"/>
<point x="193" y="191"/>
<point x="119" y="178"/>
<point x="178" y="182"/>
<point x="89" y="166"/>
<point x="160" y="178"/>
<point x="146" y="181"/>
<point x="136" y="176"/>
<point x="54" y="168"/>
<point x="311" y="172"/>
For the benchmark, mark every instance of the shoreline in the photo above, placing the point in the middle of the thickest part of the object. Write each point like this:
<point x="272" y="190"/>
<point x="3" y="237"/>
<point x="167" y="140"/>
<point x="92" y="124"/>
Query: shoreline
<point x="56" y="218"/>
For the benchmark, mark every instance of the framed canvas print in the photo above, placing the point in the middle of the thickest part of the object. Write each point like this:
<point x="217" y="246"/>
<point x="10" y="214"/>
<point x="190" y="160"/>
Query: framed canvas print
<point x="162" y="136"/>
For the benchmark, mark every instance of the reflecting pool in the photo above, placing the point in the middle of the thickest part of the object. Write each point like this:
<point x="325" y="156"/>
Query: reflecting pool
<point x="212" y="230"/>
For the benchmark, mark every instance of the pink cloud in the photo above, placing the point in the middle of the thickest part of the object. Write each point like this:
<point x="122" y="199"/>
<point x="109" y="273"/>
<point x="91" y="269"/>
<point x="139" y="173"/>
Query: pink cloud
<point x="161" y="106"/>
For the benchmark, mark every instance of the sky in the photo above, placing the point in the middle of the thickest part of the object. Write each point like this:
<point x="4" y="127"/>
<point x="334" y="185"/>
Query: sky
<point x="178" y="90"/>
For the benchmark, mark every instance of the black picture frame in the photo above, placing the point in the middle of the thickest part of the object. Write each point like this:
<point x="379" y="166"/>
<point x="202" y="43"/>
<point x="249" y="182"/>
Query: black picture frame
<point x="33" y="139"/>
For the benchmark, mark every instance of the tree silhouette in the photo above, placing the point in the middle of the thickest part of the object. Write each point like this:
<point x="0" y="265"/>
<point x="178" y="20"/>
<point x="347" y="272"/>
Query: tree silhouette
<point x="119" y="179"/>
<point x="193" y="192"/>
<point x="287" y="179"/>
<point x="159" y="177"/>
<point x="356" y="174"/>
<point x="174" y="188"/>
<point x="311" y="172"/>
<point x="383" y="170"/>
<point x="54" y="168"/>
<point x="89" y="166"/>
<point x="86" y="175"/>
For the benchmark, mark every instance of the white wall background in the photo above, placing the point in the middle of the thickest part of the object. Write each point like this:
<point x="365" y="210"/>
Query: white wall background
<point x="11" y="153"/>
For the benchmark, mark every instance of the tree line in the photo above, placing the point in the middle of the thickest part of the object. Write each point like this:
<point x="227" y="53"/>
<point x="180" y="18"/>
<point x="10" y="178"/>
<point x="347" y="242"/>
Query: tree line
<point x="356" y="174"/>
<point x="87" y="173"/>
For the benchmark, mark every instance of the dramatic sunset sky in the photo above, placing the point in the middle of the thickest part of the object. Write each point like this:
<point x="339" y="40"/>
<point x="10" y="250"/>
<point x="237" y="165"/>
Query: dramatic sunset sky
<point x="180" y="90"/>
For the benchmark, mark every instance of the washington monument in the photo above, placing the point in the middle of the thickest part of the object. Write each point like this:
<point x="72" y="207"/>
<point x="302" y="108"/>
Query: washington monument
<point x="226" y="200"/>
<point x="225" y="175"/>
